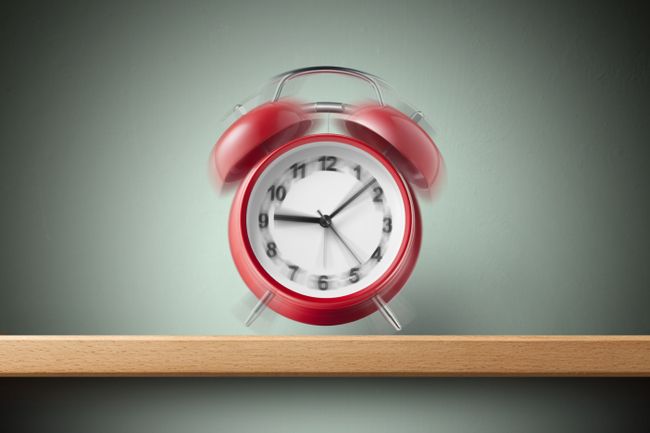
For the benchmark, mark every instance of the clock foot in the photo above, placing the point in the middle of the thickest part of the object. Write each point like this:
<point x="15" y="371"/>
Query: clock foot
<point x="259" y="307"/>
<point x="387" y="313"/>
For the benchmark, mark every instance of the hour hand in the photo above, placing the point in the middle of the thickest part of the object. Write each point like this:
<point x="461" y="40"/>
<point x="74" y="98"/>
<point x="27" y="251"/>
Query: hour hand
<point x="296" y="218"/>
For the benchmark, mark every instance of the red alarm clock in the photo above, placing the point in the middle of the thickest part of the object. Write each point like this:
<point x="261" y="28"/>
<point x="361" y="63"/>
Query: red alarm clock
<point x="324" y="227"/>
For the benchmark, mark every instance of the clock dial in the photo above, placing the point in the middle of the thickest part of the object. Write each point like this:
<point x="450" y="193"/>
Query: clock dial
<point x="325" y="219"/>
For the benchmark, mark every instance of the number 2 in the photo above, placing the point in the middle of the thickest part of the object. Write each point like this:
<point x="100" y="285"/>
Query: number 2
<point x="379" y="193"/>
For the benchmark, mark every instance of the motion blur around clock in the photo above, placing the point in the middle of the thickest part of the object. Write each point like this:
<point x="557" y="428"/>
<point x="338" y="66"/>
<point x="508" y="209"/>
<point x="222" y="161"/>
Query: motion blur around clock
<point x="325" y="227"/>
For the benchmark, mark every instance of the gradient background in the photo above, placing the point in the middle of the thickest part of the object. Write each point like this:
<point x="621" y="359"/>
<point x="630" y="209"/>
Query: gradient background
<point x="109" y="224"/>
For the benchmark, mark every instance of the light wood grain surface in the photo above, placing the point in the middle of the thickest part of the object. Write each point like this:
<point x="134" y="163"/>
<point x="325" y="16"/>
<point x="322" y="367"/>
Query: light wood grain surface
<point x="325" y="356"/>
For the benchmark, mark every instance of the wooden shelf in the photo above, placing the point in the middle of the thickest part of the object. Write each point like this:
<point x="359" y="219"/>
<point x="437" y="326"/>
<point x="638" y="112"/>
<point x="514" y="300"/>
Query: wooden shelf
<point x="325" y="356"/>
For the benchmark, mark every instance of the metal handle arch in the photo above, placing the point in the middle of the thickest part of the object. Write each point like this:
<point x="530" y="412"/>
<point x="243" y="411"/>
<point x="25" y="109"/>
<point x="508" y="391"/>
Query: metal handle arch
<point x="328" y="70"/>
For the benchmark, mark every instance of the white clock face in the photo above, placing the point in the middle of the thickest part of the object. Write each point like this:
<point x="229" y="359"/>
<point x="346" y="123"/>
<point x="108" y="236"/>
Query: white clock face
<point x="326" y="219"/>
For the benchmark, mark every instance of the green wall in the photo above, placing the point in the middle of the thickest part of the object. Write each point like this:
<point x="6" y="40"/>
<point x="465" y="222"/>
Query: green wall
<point x="109" y="111"/>
<point x="109" y="224"/>
<point x="326" y="405"/>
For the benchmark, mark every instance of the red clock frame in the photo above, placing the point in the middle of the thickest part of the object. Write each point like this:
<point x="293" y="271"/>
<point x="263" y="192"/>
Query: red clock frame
<point x="313" y="310"/>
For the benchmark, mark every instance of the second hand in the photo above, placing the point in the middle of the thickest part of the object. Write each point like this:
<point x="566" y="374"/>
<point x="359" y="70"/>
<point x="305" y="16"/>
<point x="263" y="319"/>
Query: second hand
<point x="329" y="224"/>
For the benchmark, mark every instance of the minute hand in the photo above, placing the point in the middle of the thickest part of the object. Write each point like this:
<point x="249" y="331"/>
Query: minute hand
<point x="352" y="198"/>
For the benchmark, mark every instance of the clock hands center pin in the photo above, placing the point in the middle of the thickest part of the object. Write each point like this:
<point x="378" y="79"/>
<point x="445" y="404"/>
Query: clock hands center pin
<point x="327" y="223"/>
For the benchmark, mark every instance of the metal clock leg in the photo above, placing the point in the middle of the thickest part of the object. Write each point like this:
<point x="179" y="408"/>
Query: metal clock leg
<point x="259" y="307"/>
<point x="387" y="313"/>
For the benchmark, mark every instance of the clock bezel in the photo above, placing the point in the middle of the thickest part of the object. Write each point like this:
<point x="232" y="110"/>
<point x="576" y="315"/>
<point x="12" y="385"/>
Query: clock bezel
<point x="315" y="310"/>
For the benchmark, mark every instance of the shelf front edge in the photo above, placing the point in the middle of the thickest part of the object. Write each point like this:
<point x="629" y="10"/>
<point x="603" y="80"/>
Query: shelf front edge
<point x="26" y="356"/>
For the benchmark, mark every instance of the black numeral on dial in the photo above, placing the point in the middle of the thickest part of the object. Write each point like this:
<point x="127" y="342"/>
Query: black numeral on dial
<point x="354" y="275"/>
<point x="294" y="269"/>
<point x="271" y="249"/>
<point x="379" y="194"/>
<point x="388" y="225"/>
<point x="377" y="254"/>
<point x="278" y="193"/>
<point x="263" y="220"/>
<point x="298" y="169"/>
<point x="357" y="170"/>
<point x="323" y="282"/>
<point x="327" y="163"/>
